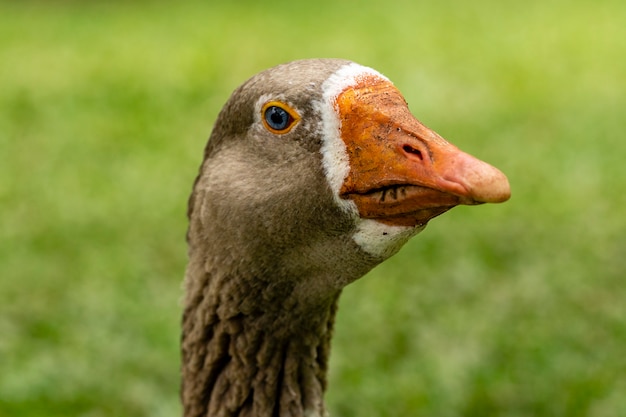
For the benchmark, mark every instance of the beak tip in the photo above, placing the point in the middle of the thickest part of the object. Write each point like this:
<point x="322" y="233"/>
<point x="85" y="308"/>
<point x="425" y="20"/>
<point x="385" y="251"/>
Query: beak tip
<point x="494" y="188"/>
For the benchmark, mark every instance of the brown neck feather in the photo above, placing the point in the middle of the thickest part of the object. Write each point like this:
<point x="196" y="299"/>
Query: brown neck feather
<point x="253" y="350"/>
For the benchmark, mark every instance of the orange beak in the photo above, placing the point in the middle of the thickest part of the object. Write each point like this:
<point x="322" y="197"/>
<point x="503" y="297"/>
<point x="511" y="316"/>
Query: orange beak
<point x="401" y="172"/>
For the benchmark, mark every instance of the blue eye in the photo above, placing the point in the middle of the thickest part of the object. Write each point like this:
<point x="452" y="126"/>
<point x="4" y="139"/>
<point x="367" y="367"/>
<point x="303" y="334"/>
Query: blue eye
<point x="277" y="118"/>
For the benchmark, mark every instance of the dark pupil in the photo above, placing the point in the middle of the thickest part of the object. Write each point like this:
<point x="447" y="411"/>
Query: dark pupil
<point x="277" y="118"/>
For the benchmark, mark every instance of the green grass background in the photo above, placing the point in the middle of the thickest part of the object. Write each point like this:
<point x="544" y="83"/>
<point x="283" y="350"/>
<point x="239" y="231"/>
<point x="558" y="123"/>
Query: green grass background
<point x="504" y="310"/>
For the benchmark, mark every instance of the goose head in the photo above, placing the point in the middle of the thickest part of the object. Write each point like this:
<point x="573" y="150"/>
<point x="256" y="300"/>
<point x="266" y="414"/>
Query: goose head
<point x="319" y="165"/>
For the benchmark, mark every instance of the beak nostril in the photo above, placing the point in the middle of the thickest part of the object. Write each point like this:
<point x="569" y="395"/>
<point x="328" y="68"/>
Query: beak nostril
<point x="412" y="151"/>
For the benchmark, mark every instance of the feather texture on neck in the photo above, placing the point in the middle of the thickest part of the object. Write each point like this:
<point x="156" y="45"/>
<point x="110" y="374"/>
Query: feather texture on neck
<point x="243" y="355"/>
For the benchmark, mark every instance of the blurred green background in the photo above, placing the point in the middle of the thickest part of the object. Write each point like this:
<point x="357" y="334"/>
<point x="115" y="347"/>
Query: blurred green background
<point x="504" y="310"/>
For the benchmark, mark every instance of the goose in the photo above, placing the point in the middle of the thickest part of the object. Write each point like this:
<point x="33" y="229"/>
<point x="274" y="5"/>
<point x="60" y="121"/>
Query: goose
<point x="314" y="173"/>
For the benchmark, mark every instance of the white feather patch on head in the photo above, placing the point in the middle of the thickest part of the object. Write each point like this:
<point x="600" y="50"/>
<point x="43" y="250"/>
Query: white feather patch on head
<point x="382" y="240"/>
<point x="376" y="238"/>
<point x="334" y="156"/>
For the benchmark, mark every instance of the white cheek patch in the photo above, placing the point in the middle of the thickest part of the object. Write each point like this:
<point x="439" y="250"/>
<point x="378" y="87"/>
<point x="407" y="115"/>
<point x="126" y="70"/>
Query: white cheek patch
<point x="376" y="238"/>
<point x="382" y="240"/>
<point x="334" y="155"/>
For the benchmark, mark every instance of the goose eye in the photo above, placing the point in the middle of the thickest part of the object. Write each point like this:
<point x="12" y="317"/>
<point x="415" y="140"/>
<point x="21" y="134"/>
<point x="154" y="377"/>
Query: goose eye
<point x="278" y="117"/>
